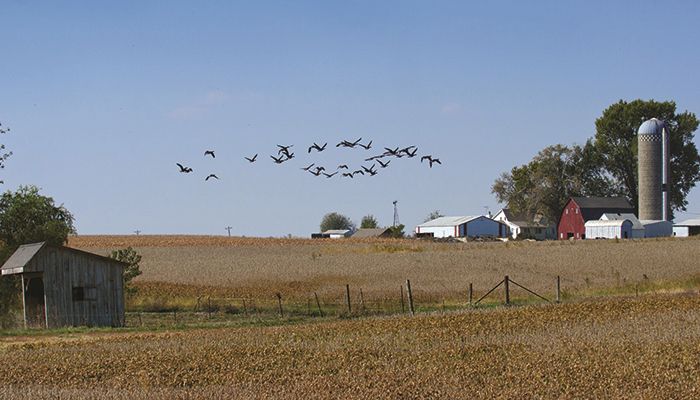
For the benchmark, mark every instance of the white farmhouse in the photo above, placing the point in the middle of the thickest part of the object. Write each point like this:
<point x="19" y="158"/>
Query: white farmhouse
<point x="469" y="226"/>
<point x="523" y="227"/>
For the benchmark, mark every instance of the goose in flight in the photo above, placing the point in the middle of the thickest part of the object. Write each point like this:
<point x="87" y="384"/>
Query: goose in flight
<point x="383" y="165"/>
<point x="347" y="175"/>
<point x="184" y="169"/>
<point x="211" y="176"/>
<point x="309" y="167"/>
<point x="366" y="146"/>
<point x="252" y="159"/>
<point x="278" y="160"/>
<point x="342" y="166"/>
<point x="209" y="153"/>
<point x="317" y="147"/>
<point x="330" y="175"/>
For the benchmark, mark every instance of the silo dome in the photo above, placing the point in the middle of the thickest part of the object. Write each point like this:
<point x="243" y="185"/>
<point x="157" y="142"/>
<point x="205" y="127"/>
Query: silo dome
<point x="651" y="127"/>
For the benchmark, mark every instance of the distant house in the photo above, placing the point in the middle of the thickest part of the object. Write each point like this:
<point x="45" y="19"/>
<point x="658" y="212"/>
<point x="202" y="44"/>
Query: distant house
<point x="579" y="210"/>
<point x="371" y="233"/>
<point x="468" y="227"/>
<point x="337" y="233"/>
<point x="524" y="227"/>
<point x="689" y="227"/>
<point x="62" y="286"/>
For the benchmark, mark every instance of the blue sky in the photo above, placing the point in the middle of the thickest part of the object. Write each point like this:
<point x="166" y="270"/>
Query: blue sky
<point x="104" y="98"/>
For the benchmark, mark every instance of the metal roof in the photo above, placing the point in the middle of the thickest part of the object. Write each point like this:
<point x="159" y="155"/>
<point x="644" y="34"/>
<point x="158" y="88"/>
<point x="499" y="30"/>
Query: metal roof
<point x="602" y="202"/>
<point x="369" y="232"/>
<point x="26" y="252"/>
<point x="689" y="222"/>
<point x="636" y="223"/>
<point x="337" y="231"/>
<point x="448" y="221"/>
<point x="600" y="222"/>
<point x="21" y="257"/>
<point x="651" y="127"/>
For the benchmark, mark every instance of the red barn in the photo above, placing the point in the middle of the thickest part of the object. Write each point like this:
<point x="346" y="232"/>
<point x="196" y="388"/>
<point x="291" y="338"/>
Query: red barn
<point x="578" y="210"/>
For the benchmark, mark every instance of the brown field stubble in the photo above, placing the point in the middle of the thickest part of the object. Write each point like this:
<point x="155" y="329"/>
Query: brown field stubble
<point x="259" y="268"/>
<point x="646" y="347"/>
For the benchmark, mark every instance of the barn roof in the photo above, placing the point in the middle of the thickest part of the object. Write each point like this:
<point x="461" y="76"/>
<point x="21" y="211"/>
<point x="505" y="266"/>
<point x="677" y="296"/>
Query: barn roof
<point x="447" y="221"/>
<point x="26" y="252"/>
<point x="603" y="222"/>
<point x="602" y="202"/>
<point x="369" y="232"/>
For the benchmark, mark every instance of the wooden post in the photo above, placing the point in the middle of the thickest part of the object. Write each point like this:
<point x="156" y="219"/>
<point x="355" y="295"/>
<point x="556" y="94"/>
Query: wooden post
<point x="410" y="297"/>
<point x="558" y="289"/>
<point x="24" y="302"/>
<point x="175" y="316"/>
<point x="362" y="300"/>
<point x="209" y="307"/>
<point x="347" y="298"/>
<point x="279" y="303"/>
<point x="507" y="285"/>
<point x="471" y="293"/>
<point x="140" y="320"/>
<point x="318" y="304"/>
<point x="403" y="308"/>
<point x="245" y="308"/>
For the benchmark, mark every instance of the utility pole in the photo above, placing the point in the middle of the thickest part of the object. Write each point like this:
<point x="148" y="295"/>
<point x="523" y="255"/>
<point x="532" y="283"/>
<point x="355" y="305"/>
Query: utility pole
<point x="137" y="232"/>
<point x="228" y="228"/>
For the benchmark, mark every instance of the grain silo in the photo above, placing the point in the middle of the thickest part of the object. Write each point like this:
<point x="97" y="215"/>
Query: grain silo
<point x="653" y="170"/>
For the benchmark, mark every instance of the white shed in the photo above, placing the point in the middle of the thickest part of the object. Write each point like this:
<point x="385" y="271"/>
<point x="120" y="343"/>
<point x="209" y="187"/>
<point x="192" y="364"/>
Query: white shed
<point x="602" y="229"/>
<point x="468" y="226"/>
<point x="689" y="227"/>
<point x="638" y="230"/>
<point x="655" y="228"/>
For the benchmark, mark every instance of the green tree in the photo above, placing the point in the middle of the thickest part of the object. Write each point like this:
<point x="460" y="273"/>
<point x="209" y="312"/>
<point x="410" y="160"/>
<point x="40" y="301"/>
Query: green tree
<point x="4" y="155"/>
<point x="335" y="220"/>
<point x="544" y="185"/>
<point x="369" y="222"/>
<point x="132" y="258"/>
<point x="27" y="217"/>
<point x="433" y="215"/>
<point x="616" y="145"/>
<point x="396" y="231"/>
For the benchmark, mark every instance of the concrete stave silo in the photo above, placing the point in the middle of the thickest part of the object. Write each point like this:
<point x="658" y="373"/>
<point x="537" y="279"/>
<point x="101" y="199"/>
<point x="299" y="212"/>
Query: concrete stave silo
<point x="653" y="170"/>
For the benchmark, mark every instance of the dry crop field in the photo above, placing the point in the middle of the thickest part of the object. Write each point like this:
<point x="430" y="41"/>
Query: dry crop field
<point x="620" y="347"/>
<point x="181" y="266"/>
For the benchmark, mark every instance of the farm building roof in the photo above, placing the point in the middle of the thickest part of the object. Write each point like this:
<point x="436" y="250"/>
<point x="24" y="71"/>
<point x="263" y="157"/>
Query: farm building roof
<point x="602" y="202"/>
<point x="369" y="232"/>
<point x="602" y="222"/>
<point x="636" y="223"/>
<point x="337" y="231"/>
<point x="689" y="222"/>
<point x="447" y="221"/>
<point x="521" y="220"/>
<point x="26" y="252"/>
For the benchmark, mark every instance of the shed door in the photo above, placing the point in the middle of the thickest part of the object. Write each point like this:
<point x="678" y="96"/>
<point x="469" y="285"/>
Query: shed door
<point x="34" y="301"/>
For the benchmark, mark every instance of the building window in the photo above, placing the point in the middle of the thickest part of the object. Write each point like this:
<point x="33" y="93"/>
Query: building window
<point x="576" y="210"/>
<point x="82" y="293"/>
<point x="567" y="211"/>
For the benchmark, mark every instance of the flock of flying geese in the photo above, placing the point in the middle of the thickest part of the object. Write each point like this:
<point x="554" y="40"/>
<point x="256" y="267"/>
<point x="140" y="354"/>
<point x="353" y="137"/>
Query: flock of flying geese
<point x="284" y="154"/>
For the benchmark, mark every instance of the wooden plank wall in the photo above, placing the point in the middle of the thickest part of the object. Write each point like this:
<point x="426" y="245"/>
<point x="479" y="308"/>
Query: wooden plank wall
<point x="66" y="269"/>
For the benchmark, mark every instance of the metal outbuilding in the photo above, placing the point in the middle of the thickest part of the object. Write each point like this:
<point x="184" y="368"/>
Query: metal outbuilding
<point x="689" y="227"/>
<point x="612" y="229"/>
<point x="364" y="233"/>
<point x="62" y="286"/>
<point x="337" y="233"/>
<point x="468" y="226"/>
<point x="638" y="230"/>
<point x="656" y="228"/>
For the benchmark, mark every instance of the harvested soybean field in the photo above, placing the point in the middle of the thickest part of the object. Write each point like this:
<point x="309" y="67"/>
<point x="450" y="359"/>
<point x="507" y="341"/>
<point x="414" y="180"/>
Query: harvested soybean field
<point x="191" y="266"/>
<point x="619" y="347"/>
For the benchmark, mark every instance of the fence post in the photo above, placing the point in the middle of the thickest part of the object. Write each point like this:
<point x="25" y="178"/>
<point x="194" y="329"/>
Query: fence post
<point x="140" y="320"/>
<point x="175" y="316"/>
<point x="362" y="300"/>
<point x="507" y="285"/>
<point x="279" y="303"/>
<point x="245" y="309"/>
<point x="209" y="307"/>
<point x="471" y="293"/>
<point x="558" y="289"/>
<point x="403" y="308"/>
<point x="347" y="298"/>
<point x="318" y="304"/>
<point x="410" y="297"/>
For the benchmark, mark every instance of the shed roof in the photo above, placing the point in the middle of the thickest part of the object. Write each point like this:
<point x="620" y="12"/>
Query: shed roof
<point x="448" y="221"/>
<point x="26" y="252"/>
<point x="689" y="222"/>
<point x="613" y="223"/>
<point x="337" y="231"/>
<point x="369" y="232"/>
<point x="636" y="223"/>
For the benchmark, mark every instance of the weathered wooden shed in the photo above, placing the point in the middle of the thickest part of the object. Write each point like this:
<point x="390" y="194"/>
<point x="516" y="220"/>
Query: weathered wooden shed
<point x="62" y="286"/>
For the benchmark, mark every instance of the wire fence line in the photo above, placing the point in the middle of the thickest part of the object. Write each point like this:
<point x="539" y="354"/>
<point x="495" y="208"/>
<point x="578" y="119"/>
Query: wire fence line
<point x="350" y="302"/>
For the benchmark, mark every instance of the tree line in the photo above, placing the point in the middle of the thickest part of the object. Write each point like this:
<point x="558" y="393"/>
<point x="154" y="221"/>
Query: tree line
<point x="605" y="165"/>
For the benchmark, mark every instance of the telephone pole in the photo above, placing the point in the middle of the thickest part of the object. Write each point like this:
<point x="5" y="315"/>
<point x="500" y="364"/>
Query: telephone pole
<point x="228" y="228"/>
<point x="137" y="232"/>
